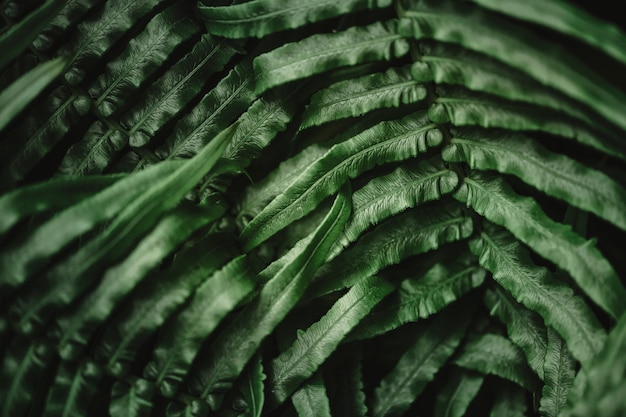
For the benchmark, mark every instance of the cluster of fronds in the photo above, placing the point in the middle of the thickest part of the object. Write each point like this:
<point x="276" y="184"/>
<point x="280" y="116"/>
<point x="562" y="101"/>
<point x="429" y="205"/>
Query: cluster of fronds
<point x="312" y="208"/>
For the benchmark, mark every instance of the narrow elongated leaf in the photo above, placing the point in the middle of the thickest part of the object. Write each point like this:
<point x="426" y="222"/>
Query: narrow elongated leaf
<point x="19" y="36"/>
<point x="52" y="195"/>
<point x="462" y="108"/>
<point x="131" y="400"/>
<point x="311" y="399"/>
<point x="74" y="388"/>
<point x="181" y="339"/>
<point x="233" y="348"/>
<point x="568" y="19"/>
<point x="218" y="109"/>
<point x="559" y="371"/>
<point x="410" y="233"/>
<point x="22" y="91"/>
<point x="384" y="196"/>
<point x="313" y="346"/>
<point x="418" y="365"/>
<point x="169" y="94"/>
<point x="473" y="28"/>
<point x="143" y="55"/>
<point x="252" y="388"/>
<point x="155" y="301"/>
<point x="262" y="17"/>
<point x="94" y="36"/>
<point x="422" y="296"/>
<point x="24" y="366"/>
<point x="76" y="326"/>
<point x="459" y="391"/>
<point x="522" y="216"/>
<point x="359" y="96"/>
<point x="497" y="355"/>
<point x="555" y="174"/>
<point x="68" y="279"/>
<point x="525" y="327"/>
<point x="344" y="377"/>
<point x="534" y="287"/>
<point x="323" y="52"/>
<point x="24" y="258"/>
<point x="386" y="142"/>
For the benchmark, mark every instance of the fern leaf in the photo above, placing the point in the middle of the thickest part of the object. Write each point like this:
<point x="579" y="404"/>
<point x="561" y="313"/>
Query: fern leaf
<point x="25" y="89"/>
<point x="475" y="29"/>
<point x="559" y="371"/>
<point x="497" y="355"/>
<point x="76" y="326"/>
<point x="74" y="387"/>
<point x="176" y="88"/>
<point x="313" y="346"/>
<point x="53" y="195"/>
<point x="525" y="327"/>
<point x="131" y="400"/>
<point x="311" y="399"/>
<point x="359" y="96"/>
<point x="19" y="36"/>
<point x="345" y="382"/>
<point x="216" y="111"/>
<point x="323" y="52"/>
<point x="408" y="234"/>
<point x="494" y="199"/>
<point x="234" y="347"/>
<point x="459" y="391"/>
<point x="406" y="187"/>
<point x="24" y="367"/>
<point x="472" y="109"/>
<point x="422" y="296"/>
<point x="386" y="142"/>
<point x="418" y="365"/>
<point x="94" y="36"/>
<point x="262" y="17"/>
<point x="72" y="12"/>
<point x="143" y="56"/>
<point x="251" y="388"/>
<point x="533" y="287"/>
<point x="554" y="174"/>
<point x="157" y="299"/>
<point x="60" y="285"/>
<point x="23" y="259"/>
<point x="569" y="19"/>
<point x="181" y="339"/>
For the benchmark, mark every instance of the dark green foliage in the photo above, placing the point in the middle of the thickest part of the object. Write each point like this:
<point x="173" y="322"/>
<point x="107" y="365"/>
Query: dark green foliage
<point x="312" y="208"/>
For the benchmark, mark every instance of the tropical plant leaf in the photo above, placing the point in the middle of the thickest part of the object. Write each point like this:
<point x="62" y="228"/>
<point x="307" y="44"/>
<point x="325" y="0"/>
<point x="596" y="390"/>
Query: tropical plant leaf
<point x="525" y="327"/>
<point x="76" y="326"/>
<point x="251" y="388"/>
<point x="323" y="52"/>
<point x="313" y="346"/>
<point x="418" y="365"/>
<point x="420" y="297"/>
<point x="74" y="387"/>
<point x="18" y="37"/>
<point x="559" y="372"/>
<point x="410" y="233"/>
<point x="568" y="19"/>
<point x="235" y="346"/>
<point x="492" y="197"/>
<point x="181" y="339"/>
<point x="359" y="96"/>
<point x="475" y="29"/>
<point x="555" y="174"/>
<point x="131" y="400"/>
<point x="22" y="91"/>
<point x="459" y="391"/>
<point x="534" y="287"/>
<point x="386" y="142"/>
<point x="311" y="400"/>
<point x="496" y="355"/>
<point x="262" y="17"/>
